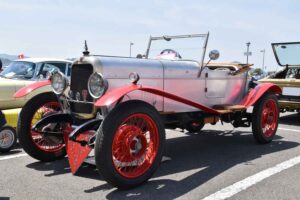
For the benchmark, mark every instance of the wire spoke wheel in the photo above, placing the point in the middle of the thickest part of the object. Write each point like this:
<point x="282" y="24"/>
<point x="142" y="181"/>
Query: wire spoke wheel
<point x="130" y="144"/>
<point x="269" y="118"/>
<point x="46" y="143"/>
<point x="135" y="145"/>
<point x="265" y="118"/>
<point x="41" y="146"/>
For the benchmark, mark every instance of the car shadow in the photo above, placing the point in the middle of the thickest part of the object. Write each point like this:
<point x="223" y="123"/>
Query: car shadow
<point x="16" y="149"/>
<point x="202" y="156"/>
<point x="292" y="119"/>
<point x="62" y="166"/>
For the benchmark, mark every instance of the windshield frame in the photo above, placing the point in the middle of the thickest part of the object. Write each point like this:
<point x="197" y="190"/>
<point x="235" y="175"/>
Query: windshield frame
<point x="276" y="55"/>
<point x="168" y="38"/>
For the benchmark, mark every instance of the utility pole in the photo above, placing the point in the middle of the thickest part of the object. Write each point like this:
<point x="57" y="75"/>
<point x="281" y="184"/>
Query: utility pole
<point x="248" y="53"/>
<point x="263" y="61"/>
<point x="130" y="44"/>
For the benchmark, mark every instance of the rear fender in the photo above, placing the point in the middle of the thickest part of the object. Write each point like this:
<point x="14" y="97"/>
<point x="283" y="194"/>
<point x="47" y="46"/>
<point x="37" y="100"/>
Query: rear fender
<point x="256" y="93"/>
<point x="30" y="88"/>
<point x="113" y="96"/>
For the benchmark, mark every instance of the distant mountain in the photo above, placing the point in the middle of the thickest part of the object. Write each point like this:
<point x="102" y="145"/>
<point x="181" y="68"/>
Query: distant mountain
<point x="9" y="57"/>
<point x="6" y="59"/>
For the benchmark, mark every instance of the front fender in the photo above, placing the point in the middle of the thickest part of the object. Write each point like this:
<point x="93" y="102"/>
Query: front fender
<point x="114" y="95"/>
<point x="30" y="88"/>
<point x="254" y="95"/>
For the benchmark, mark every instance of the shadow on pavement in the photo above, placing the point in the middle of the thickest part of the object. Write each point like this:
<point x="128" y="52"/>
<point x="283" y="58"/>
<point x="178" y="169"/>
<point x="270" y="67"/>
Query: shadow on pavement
<point x="292" y="119"/>
<point x="207" y="154"/>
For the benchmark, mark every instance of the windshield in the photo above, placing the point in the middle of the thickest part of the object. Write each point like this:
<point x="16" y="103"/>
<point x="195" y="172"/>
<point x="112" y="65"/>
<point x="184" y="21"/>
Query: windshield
<point x="287" y="53"/>
<point x="186" y="47"/>
<point x="19" y="69"/>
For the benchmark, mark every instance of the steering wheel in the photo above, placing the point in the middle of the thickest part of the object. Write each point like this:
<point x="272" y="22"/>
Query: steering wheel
<point x="169" y="54"/>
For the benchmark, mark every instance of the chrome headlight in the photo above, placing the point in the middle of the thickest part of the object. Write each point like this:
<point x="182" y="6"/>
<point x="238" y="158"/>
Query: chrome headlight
<point x="58" y="82"/>
<point x="97" y="85"/>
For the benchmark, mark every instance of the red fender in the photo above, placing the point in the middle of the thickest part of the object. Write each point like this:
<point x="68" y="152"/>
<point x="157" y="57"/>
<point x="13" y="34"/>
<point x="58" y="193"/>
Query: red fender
<point x="29" y="88"/>
<point x="251" y="98"/>
<point x="114" y="95"/>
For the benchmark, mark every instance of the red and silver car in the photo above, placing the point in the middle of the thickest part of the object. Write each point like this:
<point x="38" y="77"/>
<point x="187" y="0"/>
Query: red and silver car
<point x="120" y="107"/>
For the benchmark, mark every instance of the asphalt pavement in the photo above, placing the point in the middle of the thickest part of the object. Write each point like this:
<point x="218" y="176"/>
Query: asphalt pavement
<point x="220" y="162"/>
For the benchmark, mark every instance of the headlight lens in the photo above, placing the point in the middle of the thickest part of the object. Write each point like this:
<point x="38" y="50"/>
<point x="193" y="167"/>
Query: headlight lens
<point x="58" y="82"/>
<point x="97" y="85"/>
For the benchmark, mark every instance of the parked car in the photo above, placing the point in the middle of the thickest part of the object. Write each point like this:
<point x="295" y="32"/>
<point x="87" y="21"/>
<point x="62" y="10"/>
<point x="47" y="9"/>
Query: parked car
<point x="120" y="107"/>
<point x="287" y="56"/>
<point x="18" y="74"/>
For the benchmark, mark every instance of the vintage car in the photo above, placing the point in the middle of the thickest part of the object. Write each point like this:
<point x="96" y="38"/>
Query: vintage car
<point x="287" y="56"/>
<point x="120" y="107"/>
<point x="18" y="74"/>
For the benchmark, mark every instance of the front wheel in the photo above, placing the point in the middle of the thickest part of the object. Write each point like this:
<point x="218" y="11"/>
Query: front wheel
<point x="130" y="144"/>
<point x="265" y="118"/>
<point x="39" y="146"/>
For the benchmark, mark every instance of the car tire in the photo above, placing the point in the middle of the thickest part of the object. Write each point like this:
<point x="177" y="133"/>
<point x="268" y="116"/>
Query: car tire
<point x="47" y="150"/>
<point x="8" y="138"/>
<point x="121" y="142"/>
<point x="265" y="118"/>
<point x="194" y="127"/>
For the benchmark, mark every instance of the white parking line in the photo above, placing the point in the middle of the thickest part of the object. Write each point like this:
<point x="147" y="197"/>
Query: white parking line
<point x="13" y="156"/>
<point x="287" y="129"/>
<point x="252" y="180"/>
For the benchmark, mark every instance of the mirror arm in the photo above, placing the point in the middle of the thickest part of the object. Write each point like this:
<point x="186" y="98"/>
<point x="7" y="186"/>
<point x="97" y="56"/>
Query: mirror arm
<point x="203" y="67"/>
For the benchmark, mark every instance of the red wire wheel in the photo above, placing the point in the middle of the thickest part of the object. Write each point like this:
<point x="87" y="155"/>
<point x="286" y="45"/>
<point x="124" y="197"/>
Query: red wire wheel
<point x="45" y="143"/>
<point x="265" y="118"/>
<point x="269" y="118"/>
<point x="130" y="144"/>
<point x="42" y="147"/>
<point x="135" y="145"/>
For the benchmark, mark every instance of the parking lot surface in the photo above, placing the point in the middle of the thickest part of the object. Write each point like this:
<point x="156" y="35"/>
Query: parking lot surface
<point x="219" y="162"/>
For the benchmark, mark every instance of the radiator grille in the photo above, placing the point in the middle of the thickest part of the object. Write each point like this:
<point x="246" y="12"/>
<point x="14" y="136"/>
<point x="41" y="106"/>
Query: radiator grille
<point x="79" y="84"/>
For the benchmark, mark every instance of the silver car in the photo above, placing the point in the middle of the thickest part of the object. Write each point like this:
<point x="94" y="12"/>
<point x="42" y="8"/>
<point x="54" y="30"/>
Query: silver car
<point x="121" y="106"/>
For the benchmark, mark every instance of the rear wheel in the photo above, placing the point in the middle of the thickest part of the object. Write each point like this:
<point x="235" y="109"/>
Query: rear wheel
<point x="195" y="127"/>
<point x="130" y="144"/>
<point x="8" y="138"/>
<point x="39" y="146"/>
<point x="265" y="118"/>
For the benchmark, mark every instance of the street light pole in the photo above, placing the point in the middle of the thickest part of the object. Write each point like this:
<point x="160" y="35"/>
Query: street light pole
<point x="248" y="53"/>
<point x="263" y="61"/>
<point x="130" y="44"/>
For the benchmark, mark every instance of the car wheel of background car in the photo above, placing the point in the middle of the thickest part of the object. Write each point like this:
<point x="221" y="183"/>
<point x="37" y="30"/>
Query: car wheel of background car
<point x="194" y="127"/>
<point x="8" y="138"/>
<point x="265" y="118"/>
<point x="130" y="144"/>
<point x="39" y="146"/>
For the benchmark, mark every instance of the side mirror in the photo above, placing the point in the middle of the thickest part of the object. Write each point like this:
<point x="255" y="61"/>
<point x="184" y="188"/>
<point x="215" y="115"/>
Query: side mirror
<point x="214" y="54"/>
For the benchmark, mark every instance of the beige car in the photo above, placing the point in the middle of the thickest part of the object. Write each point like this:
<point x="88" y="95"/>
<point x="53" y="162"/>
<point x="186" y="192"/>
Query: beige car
<point x="18" y="74"/>
<point x="287" y="56"/>
<point x="24" y="72"/>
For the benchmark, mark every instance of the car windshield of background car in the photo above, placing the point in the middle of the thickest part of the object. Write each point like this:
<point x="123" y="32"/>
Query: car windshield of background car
<point x="19" y="70"/>
<point x="288" y="54"/>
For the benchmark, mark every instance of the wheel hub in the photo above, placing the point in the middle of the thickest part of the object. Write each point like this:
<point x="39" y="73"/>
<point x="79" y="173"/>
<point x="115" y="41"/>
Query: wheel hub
<point x="6" y="138"/>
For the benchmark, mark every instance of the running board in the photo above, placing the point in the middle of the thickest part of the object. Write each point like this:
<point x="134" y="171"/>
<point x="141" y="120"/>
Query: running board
<point x="226" y="109"/>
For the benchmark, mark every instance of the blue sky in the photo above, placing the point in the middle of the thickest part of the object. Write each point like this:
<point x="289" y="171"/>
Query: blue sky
<point x="57" y="28"/>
